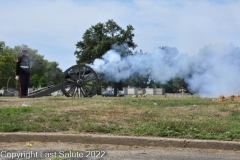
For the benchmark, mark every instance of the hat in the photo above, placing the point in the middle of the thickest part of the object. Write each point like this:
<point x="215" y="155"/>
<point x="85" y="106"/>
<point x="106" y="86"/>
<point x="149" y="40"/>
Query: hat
<point x="24" y="50"/>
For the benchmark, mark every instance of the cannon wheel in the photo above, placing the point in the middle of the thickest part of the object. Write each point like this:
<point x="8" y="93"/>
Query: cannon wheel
<point x="79" y="81"/>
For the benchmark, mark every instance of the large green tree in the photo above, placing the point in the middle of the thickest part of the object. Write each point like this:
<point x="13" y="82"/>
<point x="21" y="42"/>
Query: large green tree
<point x="7" y="66"/>
<point x="100" y="38"/>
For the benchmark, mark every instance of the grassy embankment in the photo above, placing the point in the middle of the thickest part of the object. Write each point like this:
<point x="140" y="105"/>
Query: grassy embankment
<point x="183" y="117"/>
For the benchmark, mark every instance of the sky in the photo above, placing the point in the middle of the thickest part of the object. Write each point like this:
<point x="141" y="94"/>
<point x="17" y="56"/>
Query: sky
<point x="53" y="27"/>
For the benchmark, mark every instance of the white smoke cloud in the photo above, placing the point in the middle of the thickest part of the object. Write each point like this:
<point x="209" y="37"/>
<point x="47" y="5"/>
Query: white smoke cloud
<point x="215" y="70"/>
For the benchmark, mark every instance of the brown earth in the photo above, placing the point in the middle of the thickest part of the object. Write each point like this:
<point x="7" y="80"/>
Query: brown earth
<point x="230" y="98"/>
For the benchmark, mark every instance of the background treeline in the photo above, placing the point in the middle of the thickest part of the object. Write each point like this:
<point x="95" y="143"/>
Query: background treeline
<point x="43" y="72"/>
<point x="96" y="41"/>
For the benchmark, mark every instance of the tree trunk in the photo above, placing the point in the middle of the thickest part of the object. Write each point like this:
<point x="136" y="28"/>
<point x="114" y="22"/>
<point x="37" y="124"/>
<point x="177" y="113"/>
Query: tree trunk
<point x="115" y="89"/>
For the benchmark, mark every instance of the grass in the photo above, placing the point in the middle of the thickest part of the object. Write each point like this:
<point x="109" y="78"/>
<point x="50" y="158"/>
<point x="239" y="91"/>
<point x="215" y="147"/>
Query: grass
<point x="183" y="117"/>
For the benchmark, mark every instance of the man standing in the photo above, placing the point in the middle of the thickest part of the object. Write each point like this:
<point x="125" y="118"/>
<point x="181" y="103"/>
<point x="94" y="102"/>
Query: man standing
<point x="23" y="72"/>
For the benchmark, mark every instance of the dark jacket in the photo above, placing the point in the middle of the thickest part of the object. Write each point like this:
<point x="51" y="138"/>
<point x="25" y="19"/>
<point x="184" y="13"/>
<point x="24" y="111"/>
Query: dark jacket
<point x="23" y="65"/>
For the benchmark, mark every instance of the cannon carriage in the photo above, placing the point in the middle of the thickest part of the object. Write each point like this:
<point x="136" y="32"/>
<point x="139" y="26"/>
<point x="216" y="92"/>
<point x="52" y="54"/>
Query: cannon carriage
<point x="76" y="81"/>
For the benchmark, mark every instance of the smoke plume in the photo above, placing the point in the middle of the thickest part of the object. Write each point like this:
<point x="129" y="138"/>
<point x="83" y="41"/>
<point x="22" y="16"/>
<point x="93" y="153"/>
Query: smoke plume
<point x="214" y="71"/>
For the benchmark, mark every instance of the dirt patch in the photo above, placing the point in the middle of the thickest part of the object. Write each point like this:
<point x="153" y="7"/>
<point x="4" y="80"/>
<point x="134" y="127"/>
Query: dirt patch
<point x="230" y="98"/>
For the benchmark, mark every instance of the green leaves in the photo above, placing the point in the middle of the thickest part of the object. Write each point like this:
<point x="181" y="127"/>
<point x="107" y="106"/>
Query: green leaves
<point x="98" y="39"/>
<point x="43" y="72"/>
<point x="7" y="65"/>
<point x="37" y="81"/>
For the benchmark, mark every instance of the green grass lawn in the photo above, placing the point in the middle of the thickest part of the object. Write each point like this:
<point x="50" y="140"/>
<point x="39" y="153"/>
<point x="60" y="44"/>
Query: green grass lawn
<point x="183" y="117"/>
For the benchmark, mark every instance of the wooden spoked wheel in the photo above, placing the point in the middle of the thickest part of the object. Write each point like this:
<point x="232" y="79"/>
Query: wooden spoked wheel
<point x="79" y="81"/>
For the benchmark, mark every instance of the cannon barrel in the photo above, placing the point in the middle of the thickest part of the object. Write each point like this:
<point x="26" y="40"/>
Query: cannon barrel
<point x="69" y="75"/>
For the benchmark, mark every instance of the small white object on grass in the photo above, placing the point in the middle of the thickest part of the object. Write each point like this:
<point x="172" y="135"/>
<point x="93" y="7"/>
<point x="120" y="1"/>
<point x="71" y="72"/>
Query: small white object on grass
<point x="24" y="105"/>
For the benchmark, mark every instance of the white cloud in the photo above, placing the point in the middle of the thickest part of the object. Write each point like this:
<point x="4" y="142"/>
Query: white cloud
<point x="54" y="27"/>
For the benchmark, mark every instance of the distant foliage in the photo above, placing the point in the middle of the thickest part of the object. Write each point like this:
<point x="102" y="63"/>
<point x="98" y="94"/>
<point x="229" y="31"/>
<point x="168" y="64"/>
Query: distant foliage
<point x="43" y="72"/>
<point x="7" y="66"/>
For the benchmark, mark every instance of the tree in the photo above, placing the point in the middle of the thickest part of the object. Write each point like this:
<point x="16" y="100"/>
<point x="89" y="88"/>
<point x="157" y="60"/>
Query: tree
<point x="7" y="66"/>
<point x="37" y="61"/>
<point x="171" y="86"/>
<point x="137" y="80"/>
<point x="98" y="39"/>
<point x="41" y="67"/>
<point x="53" y="73"/>
<point x="179" y="84"/>
<point x="34" y="80"/>
<point x="42" y="82"/>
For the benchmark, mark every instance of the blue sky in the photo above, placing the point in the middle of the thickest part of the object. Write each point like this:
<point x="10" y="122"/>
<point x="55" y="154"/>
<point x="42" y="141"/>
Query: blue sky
<point x="53" y="27"/>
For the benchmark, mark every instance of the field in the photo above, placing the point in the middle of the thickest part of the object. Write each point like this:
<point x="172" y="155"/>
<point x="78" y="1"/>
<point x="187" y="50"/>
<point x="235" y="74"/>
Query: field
<point x="173" y="116"/>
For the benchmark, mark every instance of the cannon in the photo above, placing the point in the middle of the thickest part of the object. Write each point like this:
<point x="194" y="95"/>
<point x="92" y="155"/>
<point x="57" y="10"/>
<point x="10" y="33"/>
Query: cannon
<point x="76" y="81"/>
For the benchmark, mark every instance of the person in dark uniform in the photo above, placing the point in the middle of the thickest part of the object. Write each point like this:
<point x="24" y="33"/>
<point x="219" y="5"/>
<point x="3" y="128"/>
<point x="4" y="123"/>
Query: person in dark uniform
<point x="23" y="72"/>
